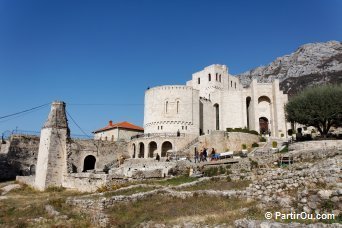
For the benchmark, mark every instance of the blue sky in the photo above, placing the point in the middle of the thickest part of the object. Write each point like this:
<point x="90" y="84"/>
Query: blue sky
<point x="109" y="52"/>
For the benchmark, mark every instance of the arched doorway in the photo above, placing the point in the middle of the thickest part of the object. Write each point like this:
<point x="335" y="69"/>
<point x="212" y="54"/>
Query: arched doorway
<point x="134" y="148"/>
<point x="265" y="114"/>
<point x="166" y="147"/>
<point x="263" y="125"/>
<point x="248" y="105"/>
<point x="152" y="148"/>
<point x="217" y="116"/>
<point x="89" y="163"/>
<point x="141" y="150"/>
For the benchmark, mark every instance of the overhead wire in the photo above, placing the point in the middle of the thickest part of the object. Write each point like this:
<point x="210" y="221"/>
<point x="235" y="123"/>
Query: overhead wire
<point x="22" y="113"/>
<point x="27" y="110"/>
<point x="78" y="126"/>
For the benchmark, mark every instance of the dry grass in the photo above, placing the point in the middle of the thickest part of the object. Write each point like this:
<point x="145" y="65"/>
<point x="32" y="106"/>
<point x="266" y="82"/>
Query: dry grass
<point x="167" y="210"/>
<point x="218" y="184"/>
<point x="26" y="204"/>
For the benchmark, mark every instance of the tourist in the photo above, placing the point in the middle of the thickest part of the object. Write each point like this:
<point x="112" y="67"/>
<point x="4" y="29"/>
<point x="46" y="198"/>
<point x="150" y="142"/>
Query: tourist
<point x="201" y="156"/>
<point x="212" y="154"/>
<point x="205" y="154"/>
<point x="158" y="157"/>
<point x="196" y="155"/>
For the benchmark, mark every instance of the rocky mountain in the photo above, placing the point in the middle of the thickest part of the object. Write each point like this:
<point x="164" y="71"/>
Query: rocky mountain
<point x="310" y="64"/>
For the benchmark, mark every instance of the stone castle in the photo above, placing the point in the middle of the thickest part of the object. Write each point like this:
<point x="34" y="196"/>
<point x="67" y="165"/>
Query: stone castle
<point x="177" y="119"/>
<point x="212" y="101"/>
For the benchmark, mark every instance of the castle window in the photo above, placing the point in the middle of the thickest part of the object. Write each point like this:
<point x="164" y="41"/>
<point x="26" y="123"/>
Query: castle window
<point x="161" y="127"/>
<point x="231" y="83"/>
<point x="235" y="85"/>
<point x="199" y="80"/>
<point x="216" y="76"/>
<point x="166" y="106"/>
<point x="158" y="127"/>
<point x="182" y="127"/>
<point x="106" y="138"/>
<point x="186" y="127"/>
<point x="220" y="78"/>
<point x="209" y="77"/>
<point x="177" y="107"/>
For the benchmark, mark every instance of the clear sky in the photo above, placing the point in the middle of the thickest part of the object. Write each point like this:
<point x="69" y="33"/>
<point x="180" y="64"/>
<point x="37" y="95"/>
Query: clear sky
<point x="109" y="52"/>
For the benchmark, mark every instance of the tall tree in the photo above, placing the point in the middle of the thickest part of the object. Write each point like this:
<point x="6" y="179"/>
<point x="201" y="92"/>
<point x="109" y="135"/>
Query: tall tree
<point x="319" y="106"/>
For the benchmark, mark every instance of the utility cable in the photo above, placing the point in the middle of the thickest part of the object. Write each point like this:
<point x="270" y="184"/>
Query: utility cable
<point x="27" y="110"/>
<point x="78" y="126"/>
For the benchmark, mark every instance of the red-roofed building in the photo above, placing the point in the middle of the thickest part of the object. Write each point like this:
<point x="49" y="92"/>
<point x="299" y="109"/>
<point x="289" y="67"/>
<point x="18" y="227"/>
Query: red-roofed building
<point x="117" y="131"/>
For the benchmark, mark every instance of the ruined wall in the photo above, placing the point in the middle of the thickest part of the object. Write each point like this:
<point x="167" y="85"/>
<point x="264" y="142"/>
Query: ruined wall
<point x="105" y="152"/>
<point x="22" y="154"/>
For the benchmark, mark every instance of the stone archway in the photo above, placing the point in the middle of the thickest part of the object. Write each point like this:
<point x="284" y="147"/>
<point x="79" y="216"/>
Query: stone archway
<point x="141" y="150"/>
<point x="166" y="147"/>
<point x="263" y="125"/>
<point x="152" y="148"/>
<point x="89" y="163"/>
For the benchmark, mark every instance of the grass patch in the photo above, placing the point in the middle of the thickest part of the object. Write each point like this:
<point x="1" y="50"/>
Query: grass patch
<point x="26" y="204"/>
<point x="176" y="181"/>
<point x="218" y="184"/>
<point x="130" y="191"/>
<point x="165" y="209"/>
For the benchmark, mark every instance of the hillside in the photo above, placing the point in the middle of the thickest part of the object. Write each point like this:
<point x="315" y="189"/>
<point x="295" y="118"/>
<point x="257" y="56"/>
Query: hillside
<point x="310" y="64"/>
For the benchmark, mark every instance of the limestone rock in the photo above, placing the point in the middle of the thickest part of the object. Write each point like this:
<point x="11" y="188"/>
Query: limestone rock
<point x="313" y="63"/>
<point x="9" y="188"/>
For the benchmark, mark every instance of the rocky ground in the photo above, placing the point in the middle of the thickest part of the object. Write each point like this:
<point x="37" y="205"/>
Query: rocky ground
<point x="227" y="196"/>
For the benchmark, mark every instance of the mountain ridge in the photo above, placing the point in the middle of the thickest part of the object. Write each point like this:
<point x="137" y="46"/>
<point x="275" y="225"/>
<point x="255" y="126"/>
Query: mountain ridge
<point x="311" y="64"/>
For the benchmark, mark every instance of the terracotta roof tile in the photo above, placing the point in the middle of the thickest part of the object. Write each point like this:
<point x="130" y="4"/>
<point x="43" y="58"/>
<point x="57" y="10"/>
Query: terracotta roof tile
<point x="125" y="125"/>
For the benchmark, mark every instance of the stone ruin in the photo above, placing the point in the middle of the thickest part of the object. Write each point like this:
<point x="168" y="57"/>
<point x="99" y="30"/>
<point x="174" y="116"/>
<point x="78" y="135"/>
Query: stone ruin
<point x="59" y="159"/>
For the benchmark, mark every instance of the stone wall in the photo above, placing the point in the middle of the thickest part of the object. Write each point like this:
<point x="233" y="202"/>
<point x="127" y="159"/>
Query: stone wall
<point x="22" y="154"/>
<point x="85" y="182"/>
<point x="272" y="182"/>
<point x="314" y="145"/>
<point x="106" y="153"/>
<point x="224" y="141"/>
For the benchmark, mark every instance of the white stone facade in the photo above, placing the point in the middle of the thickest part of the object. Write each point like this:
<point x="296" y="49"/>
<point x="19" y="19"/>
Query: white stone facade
<point x="215" y="100"/>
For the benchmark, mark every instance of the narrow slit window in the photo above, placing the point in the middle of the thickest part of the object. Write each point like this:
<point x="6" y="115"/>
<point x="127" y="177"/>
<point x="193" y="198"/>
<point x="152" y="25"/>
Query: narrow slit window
<point x="209" y="75"/>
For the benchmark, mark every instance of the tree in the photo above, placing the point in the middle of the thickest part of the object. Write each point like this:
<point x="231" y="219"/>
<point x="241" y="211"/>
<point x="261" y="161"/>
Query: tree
<point x="319" y="106"/>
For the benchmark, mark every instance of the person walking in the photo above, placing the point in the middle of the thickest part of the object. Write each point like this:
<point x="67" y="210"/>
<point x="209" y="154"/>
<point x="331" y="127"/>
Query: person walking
<point x="196" y="155"/>
<point x="205" y="154"/>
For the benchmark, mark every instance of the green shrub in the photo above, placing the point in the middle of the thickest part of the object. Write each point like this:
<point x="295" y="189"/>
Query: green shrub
<point x="229" y="179"/>
<point x="228" y="172"/>
<point x="222" y="170"/>
<point x="244" y="130"/>
<point x="262" y="139"/>
<point x="282" y="135"/>
<point x="255" y="144"/>
<point x="244" y="146"/>
<point x="210" y="172"/>
<point x="254" y="164"/>
<point x="274" y="144"/>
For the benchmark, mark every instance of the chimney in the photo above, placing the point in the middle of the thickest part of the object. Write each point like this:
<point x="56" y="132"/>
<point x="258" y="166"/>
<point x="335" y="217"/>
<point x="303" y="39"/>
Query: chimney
<point x="110" y="123"/>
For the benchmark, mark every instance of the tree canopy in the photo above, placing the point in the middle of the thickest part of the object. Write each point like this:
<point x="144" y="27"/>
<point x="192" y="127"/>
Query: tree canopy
<point x="319" y="106"/>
